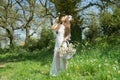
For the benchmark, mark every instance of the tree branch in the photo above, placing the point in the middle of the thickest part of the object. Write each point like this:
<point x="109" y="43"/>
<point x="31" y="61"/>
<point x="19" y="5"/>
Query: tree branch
<point x="22" y="9"/>
<point x="35" y="30"/>
<point x="47" y="12"/>
<point x="89" y="5"/>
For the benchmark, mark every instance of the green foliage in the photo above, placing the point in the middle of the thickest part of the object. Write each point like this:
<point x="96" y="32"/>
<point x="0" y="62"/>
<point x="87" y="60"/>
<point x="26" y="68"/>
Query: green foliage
<point x="89" y="64"/>
<point x="94" y="29"/>
<point x="3" y="51"/>
<point x="32" y="44"/>
<point x="98" y="62"/>
<point x="111" y="22"/>
<point x="46" y="41"/>
<point x="68" y="6"/>
<point x="46" y="37"/>
<point x="116" y="19"/>
<point x="9" y="20"/>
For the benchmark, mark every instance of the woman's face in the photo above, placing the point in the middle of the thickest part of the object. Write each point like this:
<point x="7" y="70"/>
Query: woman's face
<point x="63" y="18"/>
<point x="69" y="17"/>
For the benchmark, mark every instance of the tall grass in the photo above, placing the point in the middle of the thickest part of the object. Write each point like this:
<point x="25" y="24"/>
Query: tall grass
<point x="101" y="62"/>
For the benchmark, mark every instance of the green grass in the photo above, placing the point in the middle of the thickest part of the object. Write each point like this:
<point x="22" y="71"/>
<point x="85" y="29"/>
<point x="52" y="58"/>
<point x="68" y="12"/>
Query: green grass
<point x="88" y="64"/>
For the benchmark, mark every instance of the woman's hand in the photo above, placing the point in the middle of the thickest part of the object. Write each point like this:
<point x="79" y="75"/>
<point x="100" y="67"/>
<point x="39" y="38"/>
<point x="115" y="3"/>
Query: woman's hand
<point x="54" y="26"/>
<point x="67" y="37"/>
<point x="65" y="40"/>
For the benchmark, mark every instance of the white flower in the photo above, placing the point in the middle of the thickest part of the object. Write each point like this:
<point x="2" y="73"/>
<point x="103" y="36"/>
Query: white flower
<point x="67" y="52"/>
<point x="67" y="74"/>
<point x="99" y="65"/>
<point x="114" y="68"/>
<point x="106" y="60"/>
<point x="116" y="62"/>
<point x="106" y="64"/>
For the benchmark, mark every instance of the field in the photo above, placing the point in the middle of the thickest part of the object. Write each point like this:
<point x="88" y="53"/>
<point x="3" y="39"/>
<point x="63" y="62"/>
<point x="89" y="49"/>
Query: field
<point x="91" y="63"/>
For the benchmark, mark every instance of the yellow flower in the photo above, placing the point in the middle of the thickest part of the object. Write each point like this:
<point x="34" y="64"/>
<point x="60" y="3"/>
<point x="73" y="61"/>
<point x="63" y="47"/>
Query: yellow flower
<point x="77" y="67"/>
<point x="119" y="72"/>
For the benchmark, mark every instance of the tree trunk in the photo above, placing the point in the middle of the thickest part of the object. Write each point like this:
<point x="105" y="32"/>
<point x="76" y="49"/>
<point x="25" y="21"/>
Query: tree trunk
<point x="27" y="35"/>
<point x="12" y="41"/>
<point x="11" y="37"/>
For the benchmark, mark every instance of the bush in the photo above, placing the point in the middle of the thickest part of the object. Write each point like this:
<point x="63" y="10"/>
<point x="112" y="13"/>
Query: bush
<point x="46" y="40"/>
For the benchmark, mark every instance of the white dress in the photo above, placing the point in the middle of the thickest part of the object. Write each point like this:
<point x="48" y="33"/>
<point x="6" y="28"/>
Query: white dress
<point x="58" y="63"/>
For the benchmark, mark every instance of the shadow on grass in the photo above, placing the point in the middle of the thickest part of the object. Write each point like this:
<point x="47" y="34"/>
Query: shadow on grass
<point x="44" y="56"/>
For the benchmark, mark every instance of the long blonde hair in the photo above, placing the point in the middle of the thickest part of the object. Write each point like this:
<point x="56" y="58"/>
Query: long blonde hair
<point x="66" y="23"/>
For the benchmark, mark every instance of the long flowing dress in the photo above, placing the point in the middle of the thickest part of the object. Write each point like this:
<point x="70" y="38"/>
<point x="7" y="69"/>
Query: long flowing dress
<point x="58" y="63"/>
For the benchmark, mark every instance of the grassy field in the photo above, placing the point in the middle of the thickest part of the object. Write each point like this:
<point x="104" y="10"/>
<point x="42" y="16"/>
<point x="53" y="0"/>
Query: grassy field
<point x="96" y="63"/>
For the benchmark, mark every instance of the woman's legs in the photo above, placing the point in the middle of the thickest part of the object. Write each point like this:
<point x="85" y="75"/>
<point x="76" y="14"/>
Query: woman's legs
<point x="63" y="60"/>
<point x="58" y="64"/>
<point x="63" y="63"/>
<point x="55" y="64"/>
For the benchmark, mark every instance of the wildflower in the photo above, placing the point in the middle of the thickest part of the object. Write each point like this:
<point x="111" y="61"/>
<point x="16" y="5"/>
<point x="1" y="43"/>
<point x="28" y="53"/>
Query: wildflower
<point x="91" y="61"/>
<point x="42" y="72"/>
<point x="94" y="60"/>
<point x="108" y="76"/>
<point x="116" y="62"/>
<point x="114" y="68"/>
<point x="106" y="64"/>
<point x="99" y="65"/>
<point x="119" y="72"/>
<point x="77" y="67"/>
<point x="68" y="74"/>
<point x="105" y="60"/>
<point x="87" y="61"/>
<point x="108" y="71"/>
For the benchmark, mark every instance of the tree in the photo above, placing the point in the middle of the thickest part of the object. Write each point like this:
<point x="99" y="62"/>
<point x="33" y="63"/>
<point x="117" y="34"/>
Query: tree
<point x="110" y="22"/>
<point x="27" y="8"/>
<point x="8" y="19"/>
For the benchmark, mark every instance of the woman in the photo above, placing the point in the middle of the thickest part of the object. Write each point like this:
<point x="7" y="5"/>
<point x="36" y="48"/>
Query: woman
<point x="62" y="35"/>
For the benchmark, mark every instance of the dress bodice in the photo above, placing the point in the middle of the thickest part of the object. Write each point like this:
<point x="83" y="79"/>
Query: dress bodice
<point x="60" y="36"/>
